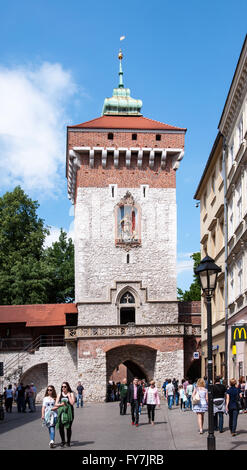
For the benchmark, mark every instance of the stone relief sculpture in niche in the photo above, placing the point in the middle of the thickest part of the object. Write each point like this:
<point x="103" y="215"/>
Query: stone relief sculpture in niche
<point x="127" y="219"/>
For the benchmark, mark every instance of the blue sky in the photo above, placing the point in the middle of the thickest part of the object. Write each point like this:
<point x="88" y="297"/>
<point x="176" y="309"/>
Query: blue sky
<point x="59" y="62"/>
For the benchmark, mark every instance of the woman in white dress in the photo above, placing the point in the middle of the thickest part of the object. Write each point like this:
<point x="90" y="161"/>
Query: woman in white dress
<point x="49" y="413"/>
<point x="151" y="398"/>
<point x="202" y="406"/>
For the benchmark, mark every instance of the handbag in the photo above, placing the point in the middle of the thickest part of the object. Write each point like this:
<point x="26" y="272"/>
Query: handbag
<point x="196" y="400"/>
<point x="239" y="404"/>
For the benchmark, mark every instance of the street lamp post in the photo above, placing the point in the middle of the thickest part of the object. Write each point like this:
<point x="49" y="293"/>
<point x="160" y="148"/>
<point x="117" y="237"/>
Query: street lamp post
<point x="208" y="272"/>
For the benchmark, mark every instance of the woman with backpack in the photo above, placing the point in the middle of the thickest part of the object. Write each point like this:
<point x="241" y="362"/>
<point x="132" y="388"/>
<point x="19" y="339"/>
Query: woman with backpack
<point x="65" y="405"/>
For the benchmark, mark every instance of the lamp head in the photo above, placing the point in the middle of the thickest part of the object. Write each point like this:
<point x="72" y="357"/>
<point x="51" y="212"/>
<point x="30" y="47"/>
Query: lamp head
<point x="208" y="271"/>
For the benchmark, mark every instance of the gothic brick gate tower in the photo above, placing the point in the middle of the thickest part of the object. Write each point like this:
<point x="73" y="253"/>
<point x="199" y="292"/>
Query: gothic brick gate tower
<point x="121" y="171"/>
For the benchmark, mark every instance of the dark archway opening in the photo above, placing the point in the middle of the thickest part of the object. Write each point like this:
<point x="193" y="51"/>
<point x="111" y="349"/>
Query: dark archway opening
<point x="127" y="315"/>
<point x="133" y="370"/>
<point x="194" y="371"/>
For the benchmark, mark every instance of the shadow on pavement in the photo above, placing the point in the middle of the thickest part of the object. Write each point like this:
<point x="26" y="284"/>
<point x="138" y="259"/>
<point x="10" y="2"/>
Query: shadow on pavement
<point x="15" y="419"/>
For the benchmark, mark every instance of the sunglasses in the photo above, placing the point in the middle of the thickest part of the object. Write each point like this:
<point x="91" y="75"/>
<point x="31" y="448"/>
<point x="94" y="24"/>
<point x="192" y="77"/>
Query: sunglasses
<point x="64" y="386"/>
<point x="50" y="390"/>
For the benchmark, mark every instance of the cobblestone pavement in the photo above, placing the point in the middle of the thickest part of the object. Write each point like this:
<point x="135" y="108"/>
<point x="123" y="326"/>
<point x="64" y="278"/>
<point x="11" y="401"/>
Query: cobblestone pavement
<point x="100" y="427"/>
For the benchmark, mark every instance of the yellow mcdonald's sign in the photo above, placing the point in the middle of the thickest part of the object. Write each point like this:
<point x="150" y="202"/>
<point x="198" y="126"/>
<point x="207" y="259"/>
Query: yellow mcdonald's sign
<point x="239" y="333"/>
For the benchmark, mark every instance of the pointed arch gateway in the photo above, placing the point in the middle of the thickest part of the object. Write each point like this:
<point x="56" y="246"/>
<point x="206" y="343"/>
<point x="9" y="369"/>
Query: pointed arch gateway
<point x="130" y="360"/>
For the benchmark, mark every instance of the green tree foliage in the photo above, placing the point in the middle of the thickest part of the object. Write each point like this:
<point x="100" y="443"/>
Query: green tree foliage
<point x="59" y="258"/>
<point x="27" y="275"/>
<point x="194" y="292"/>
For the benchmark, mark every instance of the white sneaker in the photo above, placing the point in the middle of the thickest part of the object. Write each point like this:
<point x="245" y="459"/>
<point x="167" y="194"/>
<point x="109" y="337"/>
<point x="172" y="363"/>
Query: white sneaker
<point x="51" y="444"/>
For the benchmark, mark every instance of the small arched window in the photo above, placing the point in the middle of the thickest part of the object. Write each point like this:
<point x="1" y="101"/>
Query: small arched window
<point x="127" y="308"/>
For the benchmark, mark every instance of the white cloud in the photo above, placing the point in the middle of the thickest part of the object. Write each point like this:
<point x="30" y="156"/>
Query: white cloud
<point x="33" y="121"/>
<point x="55" y="233"/>
<point x="184" y="262"/>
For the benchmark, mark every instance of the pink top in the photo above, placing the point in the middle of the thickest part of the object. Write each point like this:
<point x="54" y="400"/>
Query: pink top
<point x="135" y="392"/>
<point x="151" y="396"/>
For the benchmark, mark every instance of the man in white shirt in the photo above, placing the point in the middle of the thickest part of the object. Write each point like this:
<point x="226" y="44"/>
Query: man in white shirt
<point x="170" y="393"/>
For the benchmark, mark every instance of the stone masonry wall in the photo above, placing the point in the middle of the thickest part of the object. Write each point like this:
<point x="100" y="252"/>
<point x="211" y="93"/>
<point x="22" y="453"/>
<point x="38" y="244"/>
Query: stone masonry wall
<point x="99" y="263"/>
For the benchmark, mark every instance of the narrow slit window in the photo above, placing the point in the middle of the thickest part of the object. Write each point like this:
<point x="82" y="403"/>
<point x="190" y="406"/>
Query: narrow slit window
<point x="128" y="258"/>
<point x="112" y="191"/>
<point x="134" y="136"/>
<point x="158" y="137"/>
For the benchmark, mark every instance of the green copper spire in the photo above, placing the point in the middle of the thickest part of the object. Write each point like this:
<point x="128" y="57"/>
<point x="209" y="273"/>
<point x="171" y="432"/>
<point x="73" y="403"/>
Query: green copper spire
<point x="120" y="73"/>
<point x="121" y="102"/>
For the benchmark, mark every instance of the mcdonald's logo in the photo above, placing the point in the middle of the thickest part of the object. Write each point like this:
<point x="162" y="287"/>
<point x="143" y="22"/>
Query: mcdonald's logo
<point x="239" y="333"/>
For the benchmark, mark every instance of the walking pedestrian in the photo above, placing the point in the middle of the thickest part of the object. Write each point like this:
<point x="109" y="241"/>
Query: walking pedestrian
<point x="200" y="402"/>
<point x="65" y="413"/>
<point x="218" y="394"/>
<point x="241" y="387"/>
<point x="164" y="387"/>
<point x="20" y="398"/>
<point x="182" y="396"/>
<point x="31" y="398"/>
<point x="109" y="391"/>
<point x="79" y="397"/>
<point x="189" y="391"/>
<point x="141" y="383"/>
<point x="135" y="398"/>
<point x="34" y="395"/>
<point x="151" y="399"/>
<point x="176" y="394"/>
<point x="245" y="395"/>
<point x="49" y="413"/>
<point x="123" y="391"/>
<point x="170" y="393"/>
<point x="232" y="405"/>
<point x="9" y="395"/>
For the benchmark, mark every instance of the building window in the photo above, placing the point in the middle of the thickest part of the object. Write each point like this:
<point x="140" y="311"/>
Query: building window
<point x="158" y="137"/>
<point x="230" y="212"/>
<point x="134" y="136"/>
<point x="240" y="131"/>
<point x="221" y="167"/>
<point x="222" y="364"/>
<point x="231" y="154"/>
<point x="213" y="183"/>
<point x="240" y="369"/>
<point x="213" y="243"/>
<point x="239" y="204"/>
<point x="231" y="286"/>
<point x="205" y="200"/>
<point x="127" y="308"/>
<point x="144" y="191"/>
<point x="240" y="276"/>
<point x="110" y="136"/>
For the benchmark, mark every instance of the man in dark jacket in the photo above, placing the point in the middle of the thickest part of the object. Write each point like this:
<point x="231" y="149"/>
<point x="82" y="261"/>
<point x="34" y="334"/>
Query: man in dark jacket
<point x="134" y="398"/>
<point x="123" y="391"/>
